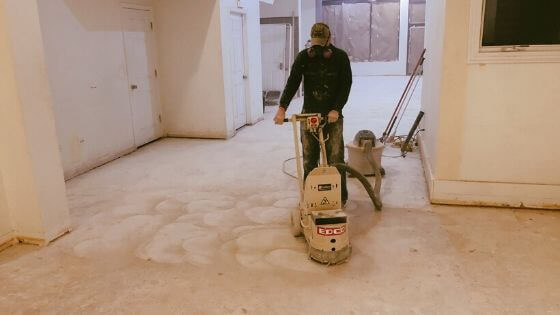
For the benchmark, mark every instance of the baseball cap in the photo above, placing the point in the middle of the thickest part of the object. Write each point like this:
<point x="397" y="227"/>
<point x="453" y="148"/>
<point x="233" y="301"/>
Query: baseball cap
<point x="320" y="34"/>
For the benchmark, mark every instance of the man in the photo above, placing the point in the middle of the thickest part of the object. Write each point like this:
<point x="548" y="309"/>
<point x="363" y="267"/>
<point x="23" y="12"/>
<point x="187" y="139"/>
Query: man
<point x="327" y="78"/>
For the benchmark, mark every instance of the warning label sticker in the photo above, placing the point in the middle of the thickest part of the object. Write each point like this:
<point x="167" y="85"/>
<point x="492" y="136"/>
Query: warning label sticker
<point x="325" y="201"/>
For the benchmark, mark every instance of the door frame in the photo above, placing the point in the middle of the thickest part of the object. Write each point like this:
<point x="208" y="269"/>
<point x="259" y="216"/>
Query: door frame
<point x="246" y="86"/>
<point x="288" y="51"/>
<point x="156" y="87"/>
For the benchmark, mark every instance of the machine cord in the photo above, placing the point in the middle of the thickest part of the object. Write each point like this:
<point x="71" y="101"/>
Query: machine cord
<point x="284" y="168"/>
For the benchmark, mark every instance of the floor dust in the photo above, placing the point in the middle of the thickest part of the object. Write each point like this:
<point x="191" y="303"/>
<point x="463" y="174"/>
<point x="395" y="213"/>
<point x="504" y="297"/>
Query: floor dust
<point x="202" y="227"/>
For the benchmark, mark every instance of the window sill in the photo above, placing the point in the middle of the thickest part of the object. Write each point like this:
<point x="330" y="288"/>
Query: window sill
<point x="514" y="54"/>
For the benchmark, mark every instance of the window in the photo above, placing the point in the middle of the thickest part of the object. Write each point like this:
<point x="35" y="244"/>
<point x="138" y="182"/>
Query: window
<point x="514" y="31"/>
<point x="521" y="22"/>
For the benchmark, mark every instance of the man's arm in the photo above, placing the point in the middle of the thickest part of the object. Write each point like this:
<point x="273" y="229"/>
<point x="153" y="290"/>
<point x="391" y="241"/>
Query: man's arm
<point x="293" y="83"/>
<point x="345" y="84"/>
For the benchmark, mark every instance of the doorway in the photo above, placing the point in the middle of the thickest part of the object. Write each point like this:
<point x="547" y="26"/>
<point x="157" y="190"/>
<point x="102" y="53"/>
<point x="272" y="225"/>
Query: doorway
<point x="140" y="53"/>
<point x="239" y="76"/>
<point x="276" y="42"/>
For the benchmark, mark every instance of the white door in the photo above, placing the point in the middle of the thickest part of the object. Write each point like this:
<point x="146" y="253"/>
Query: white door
<point x="274" y="62"/>
<point x="239" y="76"/>
<point x="139" y="44"/>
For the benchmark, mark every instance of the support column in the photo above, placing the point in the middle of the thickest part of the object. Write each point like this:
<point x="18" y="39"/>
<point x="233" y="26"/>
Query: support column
<point x="32" y="189"/>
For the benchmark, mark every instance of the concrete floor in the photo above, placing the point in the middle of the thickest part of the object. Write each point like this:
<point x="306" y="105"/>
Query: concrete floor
<point x="201" y="227"/>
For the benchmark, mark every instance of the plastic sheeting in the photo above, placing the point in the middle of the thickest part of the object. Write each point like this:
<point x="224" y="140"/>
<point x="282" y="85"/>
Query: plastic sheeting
<point x="332" y="15"/>
<point x="356" y="19"/>
<point x="385" y="28"/>
<point x="366" y="31"/>
<point x="417" y="13"/>
<point x="415" y="46"/>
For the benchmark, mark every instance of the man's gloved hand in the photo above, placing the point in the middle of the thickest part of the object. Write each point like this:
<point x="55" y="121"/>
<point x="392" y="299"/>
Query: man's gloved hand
<point x="280" y="116"/>
<point x="332" y="117"/>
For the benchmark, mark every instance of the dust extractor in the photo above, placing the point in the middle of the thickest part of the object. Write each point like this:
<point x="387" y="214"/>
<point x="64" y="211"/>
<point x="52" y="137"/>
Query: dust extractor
<point x="320" y="217"/>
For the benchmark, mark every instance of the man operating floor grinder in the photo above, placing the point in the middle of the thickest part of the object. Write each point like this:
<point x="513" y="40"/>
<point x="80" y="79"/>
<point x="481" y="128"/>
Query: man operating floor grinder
<point x="327" y="81"/>
<point x="327" y="78"/>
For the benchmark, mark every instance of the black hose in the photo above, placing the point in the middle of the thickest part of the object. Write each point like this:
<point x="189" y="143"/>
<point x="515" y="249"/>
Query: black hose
<point x="376" y="168"/>
<point x="345" y="168"/>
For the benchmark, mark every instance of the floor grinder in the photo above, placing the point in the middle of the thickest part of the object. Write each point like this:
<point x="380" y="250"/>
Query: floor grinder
<point x="320" y="217"/>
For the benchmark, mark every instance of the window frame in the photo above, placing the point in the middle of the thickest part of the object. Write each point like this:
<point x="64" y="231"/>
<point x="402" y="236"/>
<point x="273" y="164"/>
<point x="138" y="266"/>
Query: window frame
<point x="503" y="54"/>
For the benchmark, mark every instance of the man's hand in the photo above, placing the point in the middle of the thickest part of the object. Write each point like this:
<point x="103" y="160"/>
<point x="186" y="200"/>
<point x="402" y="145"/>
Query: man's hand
<point x="280" y="116"/>
<point x="332" y="117"/>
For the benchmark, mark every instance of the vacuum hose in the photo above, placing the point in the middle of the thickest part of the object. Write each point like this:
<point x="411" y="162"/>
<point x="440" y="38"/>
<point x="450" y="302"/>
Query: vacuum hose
<point x="374" y="194"/>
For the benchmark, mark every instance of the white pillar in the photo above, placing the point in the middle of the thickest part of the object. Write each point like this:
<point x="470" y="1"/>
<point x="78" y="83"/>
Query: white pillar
<point x="306" y="20"/>
<point x="32" y="190"/>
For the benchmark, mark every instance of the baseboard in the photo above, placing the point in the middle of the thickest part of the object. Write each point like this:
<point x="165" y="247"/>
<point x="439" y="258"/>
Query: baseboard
<point x="510" y="195"/>
<point x="30" y="240"/>
<point x="77" y="171"/>
<point x="198" y="136"/>
<point x="10" y="240"/>
<point x="7" y="240"/>
<point x="13" y="238"/>
<point x="58" y="234"/>
<point x="488" y="194"/>
<point x="256" y="121"/>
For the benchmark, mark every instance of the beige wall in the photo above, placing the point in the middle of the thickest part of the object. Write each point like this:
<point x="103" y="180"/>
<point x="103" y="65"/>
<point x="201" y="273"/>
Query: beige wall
<point x="11" y="133"/>
<point x="492" y="127"/>
<point x="433" y="70"/>
<point x="87" y="74"/>
<point x="191" y="69"/>
<point x="6" y="228"/>
<point x="194" y="58"/>
<point x="29" y="159"/>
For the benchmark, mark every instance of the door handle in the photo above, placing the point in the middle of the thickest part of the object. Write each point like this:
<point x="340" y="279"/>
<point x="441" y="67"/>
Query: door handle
<point x="133" y="87"/>
<point x="245" y="77"/>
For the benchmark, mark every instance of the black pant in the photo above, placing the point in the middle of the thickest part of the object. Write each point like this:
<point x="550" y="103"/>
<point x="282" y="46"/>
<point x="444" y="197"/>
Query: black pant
<point x="334" y="146"/>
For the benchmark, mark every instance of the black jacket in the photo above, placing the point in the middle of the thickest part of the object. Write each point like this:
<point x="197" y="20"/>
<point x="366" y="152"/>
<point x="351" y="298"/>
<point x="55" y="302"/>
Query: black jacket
<point x="326" y="81"/>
